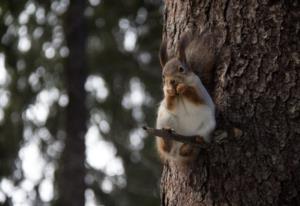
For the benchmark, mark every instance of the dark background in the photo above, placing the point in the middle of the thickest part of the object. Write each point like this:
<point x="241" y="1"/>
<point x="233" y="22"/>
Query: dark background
<point x="122" y="87"/>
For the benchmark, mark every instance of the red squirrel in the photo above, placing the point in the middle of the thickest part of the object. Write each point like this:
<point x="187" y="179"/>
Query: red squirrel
<point x="187" y="107"/>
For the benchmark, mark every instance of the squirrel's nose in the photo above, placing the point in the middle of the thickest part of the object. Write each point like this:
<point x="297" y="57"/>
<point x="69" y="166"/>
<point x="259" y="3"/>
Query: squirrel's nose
<point x="172" y="82"/>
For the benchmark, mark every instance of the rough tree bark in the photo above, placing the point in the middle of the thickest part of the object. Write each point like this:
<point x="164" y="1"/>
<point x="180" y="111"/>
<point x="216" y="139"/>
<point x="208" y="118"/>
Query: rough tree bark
<point x="71" y="177"/>
<point x="257" y="90"/>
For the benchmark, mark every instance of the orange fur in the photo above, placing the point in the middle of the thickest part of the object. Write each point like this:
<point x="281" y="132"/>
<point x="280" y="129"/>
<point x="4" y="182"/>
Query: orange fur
<point x="166" y="145"/>
<point x="189" y="92"/>
<point x="163" y="146"/>
<point x="170" y="101"/>
<point x="186" y="150"/>
<point x="188" y="153"/>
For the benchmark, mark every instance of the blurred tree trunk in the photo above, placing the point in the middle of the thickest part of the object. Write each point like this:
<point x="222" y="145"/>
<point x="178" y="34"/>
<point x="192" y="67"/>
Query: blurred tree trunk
<point x="257" y="90"/>
<point x="72" y="174"/>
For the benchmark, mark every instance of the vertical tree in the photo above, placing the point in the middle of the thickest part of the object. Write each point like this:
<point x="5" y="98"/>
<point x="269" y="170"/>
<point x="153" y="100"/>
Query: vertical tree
<point x="72" y="174"/>
<point x="257" y="91"/>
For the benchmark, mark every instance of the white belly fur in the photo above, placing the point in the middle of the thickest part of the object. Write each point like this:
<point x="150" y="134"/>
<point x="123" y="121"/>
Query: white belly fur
<point x="187" y="118"/>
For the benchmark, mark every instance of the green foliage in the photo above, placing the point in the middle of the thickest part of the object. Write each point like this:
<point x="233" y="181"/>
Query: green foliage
<point x="123" y="40"/>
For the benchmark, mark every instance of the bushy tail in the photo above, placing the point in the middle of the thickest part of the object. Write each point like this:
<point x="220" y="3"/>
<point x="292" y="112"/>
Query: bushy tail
<point x="200" y="53"/>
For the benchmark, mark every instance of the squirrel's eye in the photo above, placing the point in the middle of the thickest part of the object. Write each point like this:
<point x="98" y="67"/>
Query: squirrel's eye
<point x="181" y="69"/>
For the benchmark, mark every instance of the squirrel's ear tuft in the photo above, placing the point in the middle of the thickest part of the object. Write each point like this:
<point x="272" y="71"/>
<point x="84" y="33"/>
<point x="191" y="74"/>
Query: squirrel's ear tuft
<point x="182" y="45"/>
<point x="163" y="53"/>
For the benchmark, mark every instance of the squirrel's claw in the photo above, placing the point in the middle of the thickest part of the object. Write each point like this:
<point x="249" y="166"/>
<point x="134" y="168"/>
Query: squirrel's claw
<point x="170" y="130"/>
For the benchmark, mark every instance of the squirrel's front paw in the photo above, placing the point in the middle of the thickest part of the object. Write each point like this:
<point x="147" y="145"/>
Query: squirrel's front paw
<point x="171" y="92"/>
<point x="181" y="88"/>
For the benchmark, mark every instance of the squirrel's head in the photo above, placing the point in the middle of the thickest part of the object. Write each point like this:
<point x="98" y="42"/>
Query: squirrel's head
<point x="175" y="70"/>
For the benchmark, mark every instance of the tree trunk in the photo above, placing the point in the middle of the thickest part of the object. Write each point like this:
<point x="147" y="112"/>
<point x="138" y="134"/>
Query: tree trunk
<point x="257" y="91"/>
<point x="71" y="180"/>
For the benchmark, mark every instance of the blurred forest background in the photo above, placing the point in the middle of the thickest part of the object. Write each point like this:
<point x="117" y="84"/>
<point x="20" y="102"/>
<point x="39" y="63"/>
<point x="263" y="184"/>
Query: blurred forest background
<point x="120" y="78"/>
